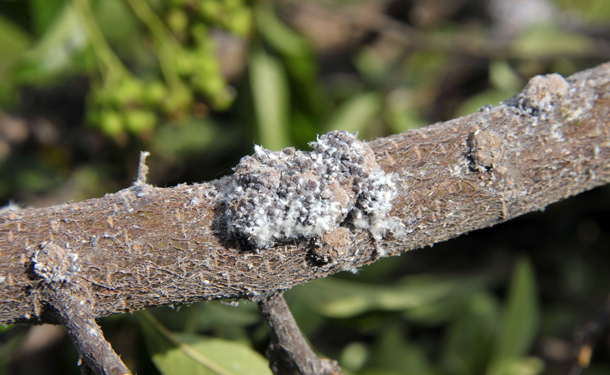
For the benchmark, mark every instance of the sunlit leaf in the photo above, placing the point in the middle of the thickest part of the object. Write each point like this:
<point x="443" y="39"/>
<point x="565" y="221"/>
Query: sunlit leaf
<point x="423" y="66"/>
<point x="13" y="42"/>
<point x="378" y="372"/>
<point x="503" y="77"/>
<point x="447" y="306"/>
<point x="486" y="98"/>
<point x="280" y="36"/>
<point x="594" y="10"/>
<point x="356" y="113"/>
<point x="338" y="298"/>
<point x="270" y="96"/>
<point x="184" y="139"/>
<point x="57" y="51"/>
<point x="400" y="111"/>
<point x="546" y="40"/>
<point x="301" y="67"/>
<point x="519" y="323"/>
<point x="526" y="366"/>
<point x="372" y="65"/>
<point x="354" y="356"/>
<point x="186" y="354"/>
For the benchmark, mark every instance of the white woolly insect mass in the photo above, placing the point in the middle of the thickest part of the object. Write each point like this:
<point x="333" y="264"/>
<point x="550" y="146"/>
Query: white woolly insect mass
<point x="289" y="194"/>
<point x="55" y="264"/>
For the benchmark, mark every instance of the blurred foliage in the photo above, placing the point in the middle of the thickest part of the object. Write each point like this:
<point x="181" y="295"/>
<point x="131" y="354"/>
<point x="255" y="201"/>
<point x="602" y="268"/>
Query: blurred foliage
<point x="88" y="84"/>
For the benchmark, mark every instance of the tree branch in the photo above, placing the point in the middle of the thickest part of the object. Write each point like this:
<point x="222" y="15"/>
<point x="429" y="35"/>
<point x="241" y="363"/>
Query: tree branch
<point x="67" y="298"/>
<point x="289" y="353"/>
<point x="147" y="246"/>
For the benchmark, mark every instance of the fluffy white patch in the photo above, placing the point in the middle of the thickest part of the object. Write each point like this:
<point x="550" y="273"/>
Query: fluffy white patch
<point x="289" y="194"/>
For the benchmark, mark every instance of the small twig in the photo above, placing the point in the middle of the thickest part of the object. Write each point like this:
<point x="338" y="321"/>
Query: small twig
<point x="96" y="354"/>
<point x="55" y="270"/>
<point x="289" y="353"/>
<point x="142" y="168"/>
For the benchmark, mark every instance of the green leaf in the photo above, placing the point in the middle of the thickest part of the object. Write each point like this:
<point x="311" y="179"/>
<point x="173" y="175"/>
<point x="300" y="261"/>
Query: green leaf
<point x="277" y="34"/>
<point x="227" y="322"/>
<point x="43" y="12"/>
<point x="118" y="23"/>
<point x="447" y="305"/>
<point x="469" y="338"/>
<point x="338" y="298"/>
<point x="393" y="353"/>
<point x="301" y="65"/>
<point x="11" y="341"/>
<point x="488" y="97"/>
<point x="13" y="42"/>
<point x="179" y="140"/>
<point x="503" y="77"/>
<point x="597" y="11"/>
<point x="57" y="51"/>
<point x="354" y="356"/>
<point x="401" y="112"/>
<point x="547" y="40"/>
<point x="187" y="354"/>
<point x="422" y="66"/>
<point x="356" y="113"/>
<point x="308" y="319"/>
<point x="270" y="97"/>
<point x="520" y="320"/>
<point x="527" y="366"/>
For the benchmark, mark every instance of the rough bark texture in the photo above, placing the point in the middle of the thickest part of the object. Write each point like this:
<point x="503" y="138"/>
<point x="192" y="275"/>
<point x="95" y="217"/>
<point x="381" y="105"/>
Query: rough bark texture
<point x="147" y="246"/>
<point x="96" y="353"/>
<point x="289" y="353"/>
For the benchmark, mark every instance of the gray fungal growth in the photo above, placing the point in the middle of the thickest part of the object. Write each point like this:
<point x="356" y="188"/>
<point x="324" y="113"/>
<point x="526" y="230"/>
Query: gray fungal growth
<point x="276" y="196"/>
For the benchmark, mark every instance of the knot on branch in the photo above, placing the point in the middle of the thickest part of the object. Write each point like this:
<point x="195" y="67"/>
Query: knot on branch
<point x="289" y="194"/>
<point x="541" y="95"/>
<point x="486" y="150"/>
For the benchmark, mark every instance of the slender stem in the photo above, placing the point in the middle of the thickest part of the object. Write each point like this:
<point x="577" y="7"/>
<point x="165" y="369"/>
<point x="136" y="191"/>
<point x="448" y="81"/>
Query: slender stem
<point x="164" y="40"/>
<point x="95" y="352"/>
<point x="289" y="353"/>
<point x="107" y="58"/>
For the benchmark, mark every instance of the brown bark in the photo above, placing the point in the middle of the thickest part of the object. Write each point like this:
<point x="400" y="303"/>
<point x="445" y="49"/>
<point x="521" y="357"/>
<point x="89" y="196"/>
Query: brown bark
<point x="289" y="353"/>
<point x="147" y="246"/>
